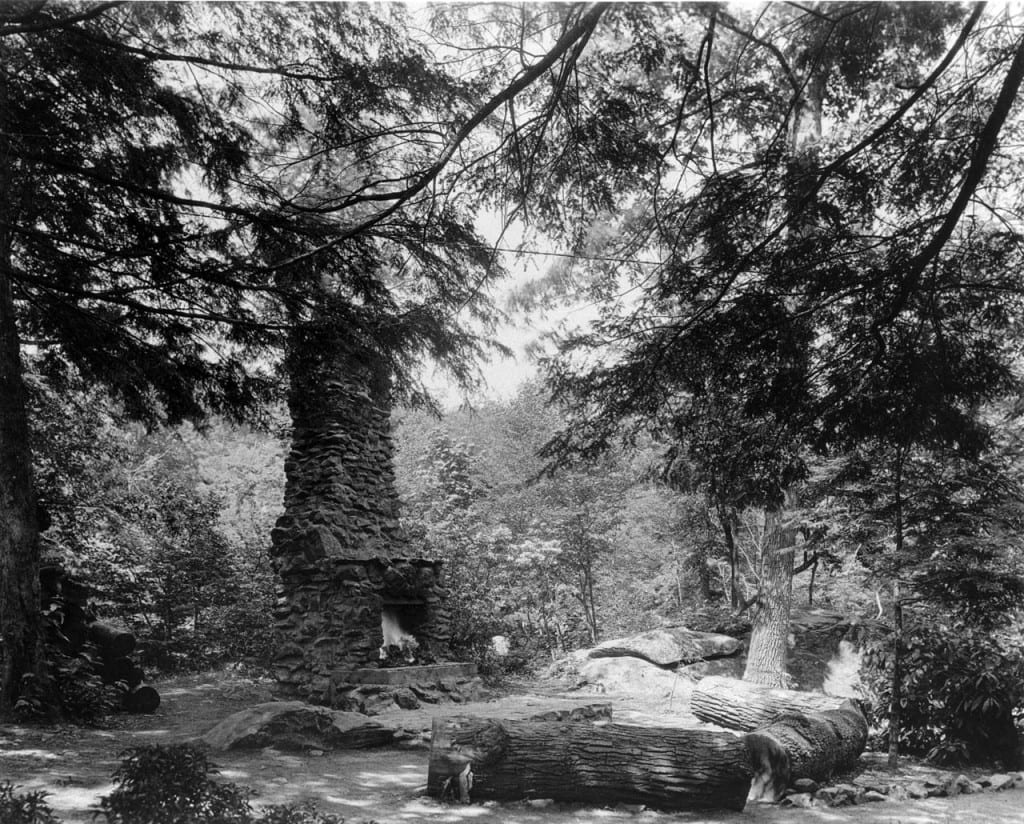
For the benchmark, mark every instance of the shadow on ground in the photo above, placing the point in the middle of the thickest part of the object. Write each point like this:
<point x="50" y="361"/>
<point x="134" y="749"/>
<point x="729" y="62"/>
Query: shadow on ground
<point x="73" y="765"/>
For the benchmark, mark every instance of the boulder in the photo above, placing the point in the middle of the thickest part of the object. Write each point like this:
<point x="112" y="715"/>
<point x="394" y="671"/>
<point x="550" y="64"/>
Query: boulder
<point x="710" y="645"/>
<point x="669" y="646"/>
<point x="806" y="785"/>
<point x="656" y="646"/>
<point x="293" y="725"/>
<point x="1000" y="781"/>
<point x="634" y="677"/>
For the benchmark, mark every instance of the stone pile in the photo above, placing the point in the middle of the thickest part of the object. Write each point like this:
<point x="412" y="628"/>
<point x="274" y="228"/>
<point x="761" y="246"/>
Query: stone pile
<point x="863" y="790"/>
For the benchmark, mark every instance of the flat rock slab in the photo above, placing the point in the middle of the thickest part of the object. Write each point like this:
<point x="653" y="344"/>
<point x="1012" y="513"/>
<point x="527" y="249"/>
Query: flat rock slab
<point x="293" y="725"/>
<point x="405" y="676"/>
<point x="669" y="646"/>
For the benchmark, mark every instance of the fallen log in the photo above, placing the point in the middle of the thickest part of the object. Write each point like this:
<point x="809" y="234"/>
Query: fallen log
<point x="122" y="669"/>
<point x="484" y="759"/>
<point x="813" y="745"/>
<point x="142" y="700"/>
<point x="112" y="642"/>
<point x="744" y="706"/>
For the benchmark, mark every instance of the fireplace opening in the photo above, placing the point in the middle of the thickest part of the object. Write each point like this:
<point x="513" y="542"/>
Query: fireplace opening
<point x="399" y="621"/>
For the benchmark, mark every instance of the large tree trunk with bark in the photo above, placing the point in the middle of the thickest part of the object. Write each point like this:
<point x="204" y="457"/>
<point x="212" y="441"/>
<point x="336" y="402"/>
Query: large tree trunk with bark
<point x="740" y="705"/>
<point x="769" y="636"/>
<point x="21" y="638"/>
<point x="481" y="759"/>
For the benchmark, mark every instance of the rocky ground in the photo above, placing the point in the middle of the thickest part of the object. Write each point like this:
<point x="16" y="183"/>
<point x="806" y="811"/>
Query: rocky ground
<point x="387" y="784"/>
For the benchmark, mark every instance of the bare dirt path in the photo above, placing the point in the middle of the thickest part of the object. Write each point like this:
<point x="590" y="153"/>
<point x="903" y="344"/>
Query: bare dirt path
<point x="74" y="766"/>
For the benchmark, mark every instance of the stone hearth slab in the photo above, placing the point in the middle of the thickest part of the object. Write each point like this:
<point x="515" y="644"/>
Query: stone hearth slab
<point x="404" y="676"/>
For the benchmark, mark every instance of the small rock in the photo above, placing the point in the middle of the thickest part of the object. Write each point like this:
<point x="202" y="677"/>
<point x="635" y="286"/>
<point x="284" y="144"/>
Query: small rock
<point x="916" y="790"/>
<point x="805" y="800"/>
<point x="873" y="785"/>
<point x="406" y="699"/>
<point x="966" y="786"/>
<point x="635" y="809"/>
<point x="316" y="753"/>
<point x="540" y="803"/>
<point x="806" y="785"/>
<point x="874" y="795"/>
<point x="999" y="781"/>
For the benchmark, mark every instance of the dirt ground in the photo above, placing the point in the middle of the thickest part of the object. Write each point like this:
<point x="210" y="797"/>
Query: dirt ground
<point x="73" y="765"/>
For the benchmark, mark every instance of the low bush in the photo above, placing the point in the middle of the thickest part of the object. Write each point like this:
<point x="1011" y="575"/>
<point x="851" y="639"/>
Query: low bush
<point x="961" y="685"/>
<point x="177" y="784"/>
<point x="24" y="808"/>
<point x="169" y="785"/>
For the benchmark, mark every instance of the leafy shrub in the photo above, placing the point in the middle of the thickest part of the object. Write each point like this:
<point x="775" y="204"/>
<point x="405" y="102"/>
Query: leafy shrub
<point x="74" y="688"/>
<point x="175" y="785"/>
<point x="83" y="695"/>
<point x="960" y="687"/>
<point x="305" y="813"/>
<point x="170" y="785"/>
<point x="24" y="808"/>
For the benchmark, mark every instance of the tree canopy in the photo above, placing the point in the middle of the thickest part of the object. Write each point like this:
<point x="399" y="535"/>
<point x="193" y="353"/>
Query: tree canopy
<point x="187" y="184"/>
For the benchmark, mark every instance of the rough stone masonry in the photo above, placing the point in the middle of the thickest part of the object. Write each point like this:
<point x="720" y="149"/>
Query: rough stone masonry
<point x="339" y="549"/>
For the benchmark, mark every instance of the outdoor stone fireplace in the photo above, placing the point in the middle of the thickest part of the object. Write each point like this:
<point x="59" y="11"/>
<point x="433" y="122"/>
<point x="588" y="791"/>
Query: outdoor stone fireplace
<point x="357" y="605"/>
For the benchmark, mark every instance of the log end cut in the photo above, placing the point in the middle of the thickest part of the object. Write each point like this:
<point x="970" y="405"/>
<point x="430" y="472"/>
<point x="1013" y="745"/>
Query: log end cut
<point x="813" y="745"/>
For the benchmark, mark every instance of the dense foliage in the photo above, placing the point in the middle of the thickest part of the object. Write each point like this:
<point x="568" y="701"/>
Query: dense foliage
<point x="140" y="520"/>
<point x="24" y="808"/>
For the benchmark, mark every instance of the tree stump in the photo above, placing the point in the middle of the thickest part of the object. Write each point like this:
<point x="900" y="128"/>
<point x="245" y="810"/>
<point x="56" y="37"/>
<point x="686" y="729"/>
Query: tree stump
<point x="481" y="759"/>
<point x="744" y="706"/>
<point x="813" y="745"/>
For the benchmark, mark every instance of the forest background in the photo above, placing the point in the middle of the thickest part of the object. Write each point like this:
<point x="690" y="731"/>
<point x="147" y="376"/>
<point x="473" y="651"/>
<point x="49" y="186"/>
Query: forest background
<point x="798" y="233"/>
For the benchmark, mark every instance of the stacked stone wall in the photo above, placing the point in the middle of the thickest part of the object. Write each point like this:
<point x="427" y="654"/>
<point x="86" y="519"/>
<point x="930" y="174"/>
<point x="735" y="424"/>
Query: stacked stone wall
<point x="328" y="619"/>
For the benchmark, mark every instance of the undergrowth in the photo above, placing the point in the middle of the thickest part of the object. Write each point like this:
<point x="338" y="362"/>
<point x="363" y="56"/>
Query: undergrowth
<point x="166" y="785"/>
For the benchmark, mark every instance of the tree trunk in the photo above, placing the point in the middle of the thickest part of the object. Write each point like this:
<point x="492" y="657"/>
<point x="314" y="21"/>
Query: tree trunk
<point x="21" y="638"/>
<point x="815" y="745"/>
<point x="668" y="768"/>
<point x="766" y="661"/>
<point x="741" y="705"/>
<point x="896" y="686"/>
<point x="725" y="521"/>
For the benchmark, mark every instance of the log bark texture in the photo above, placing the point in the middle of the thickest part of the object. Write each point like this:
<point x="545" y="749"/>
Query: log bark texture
<point x="815" y="745"/>
<point x="142" y="700"/>
<point x="113" y="642"/>
<point x="668" y="769"/>
<point x="741" y="705"/>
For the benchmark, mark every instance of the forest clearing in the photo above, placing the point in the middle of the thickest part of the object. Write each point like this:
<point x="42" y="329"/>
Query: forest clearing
<point x="389" y="784"/>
